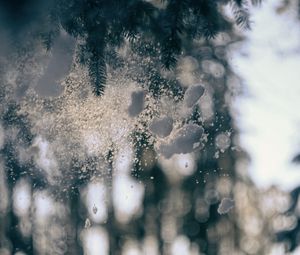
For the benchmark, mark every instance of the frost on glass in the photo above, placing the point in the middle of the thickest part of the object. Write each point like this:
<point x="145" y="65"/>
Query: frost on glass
<point x="225" y="206"/>
<point x="121" y="169"/>
<point x="152" y="165"/>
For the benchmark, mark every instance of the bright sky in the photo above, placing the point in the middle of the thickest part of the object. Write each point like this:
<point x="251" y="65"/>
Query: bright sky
<point x="269" y="63"/>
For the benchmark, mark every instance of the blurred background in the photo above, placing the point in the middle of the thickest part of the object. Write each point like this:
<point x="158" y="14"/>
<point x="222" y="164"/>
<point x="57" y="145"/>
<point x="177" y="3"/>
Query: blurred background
<point x="202" y="159"/>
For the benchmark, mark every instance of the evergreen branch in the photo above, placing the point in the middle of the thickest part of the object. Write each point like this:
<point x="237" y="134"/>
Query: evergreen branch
<point x="97" y="71"/>
<point x="241" y="14"/>
<point x="209" y="20"/>
<point x="173" y="27"/>
<point x="95" y="46"/>
<point x="106" y="24"/>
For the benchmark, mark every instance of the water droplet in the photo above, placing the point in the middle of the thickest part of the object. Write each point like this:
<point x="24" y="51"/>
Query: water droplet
<point x="87" y="223"/>
<point x="95" y="209"/>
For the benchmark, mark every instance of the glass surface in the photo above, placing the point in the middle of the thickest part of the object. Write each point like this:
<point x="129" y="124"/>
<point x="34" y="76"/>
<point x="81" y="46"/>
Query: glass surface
<point x="149" y="127"/>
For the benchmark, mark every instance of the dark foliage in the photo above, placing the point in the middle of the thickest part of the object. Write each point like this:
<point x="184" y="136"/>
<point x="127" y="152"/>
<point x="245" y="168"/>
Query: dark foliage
<point x="103" y="25"/>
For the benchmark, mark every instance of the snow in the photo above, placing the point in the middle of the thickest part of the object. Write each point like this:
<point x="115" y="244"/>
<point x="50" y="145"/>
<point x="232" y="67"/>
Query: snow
<point x="22" y="198"/>
<point x="79" y="128"/>
<point x="193" y="94"/>
<point x="127" y="197"/>
<point x="44" y="205"/>
<point x="123" y="160"/>
<point x="223" y="141"/>
<point x="187" y="67"/>
<point x="94" y="197"/>
<point x="214" y="68"/>
<point x="179" y="165"/>
<point x="185" y="140"/>
<point x="225" y="206"/>
<point x="182" y="246"/>
<point x="92" y="142"/>
<point x="161" y="127"/>
<point x="131" y="247"/>
<point x="61" y="58"/>
<point x="45" y="158"/>
<point x="95" y="241"/>
<point x="137" y="103"/>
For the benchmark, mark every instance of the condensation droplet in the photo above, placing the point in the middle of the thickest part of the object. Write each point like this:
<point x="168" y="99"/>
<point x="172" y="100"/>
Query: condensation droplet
<point x="95" y="209"/>
<point x="87" y="223"/>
